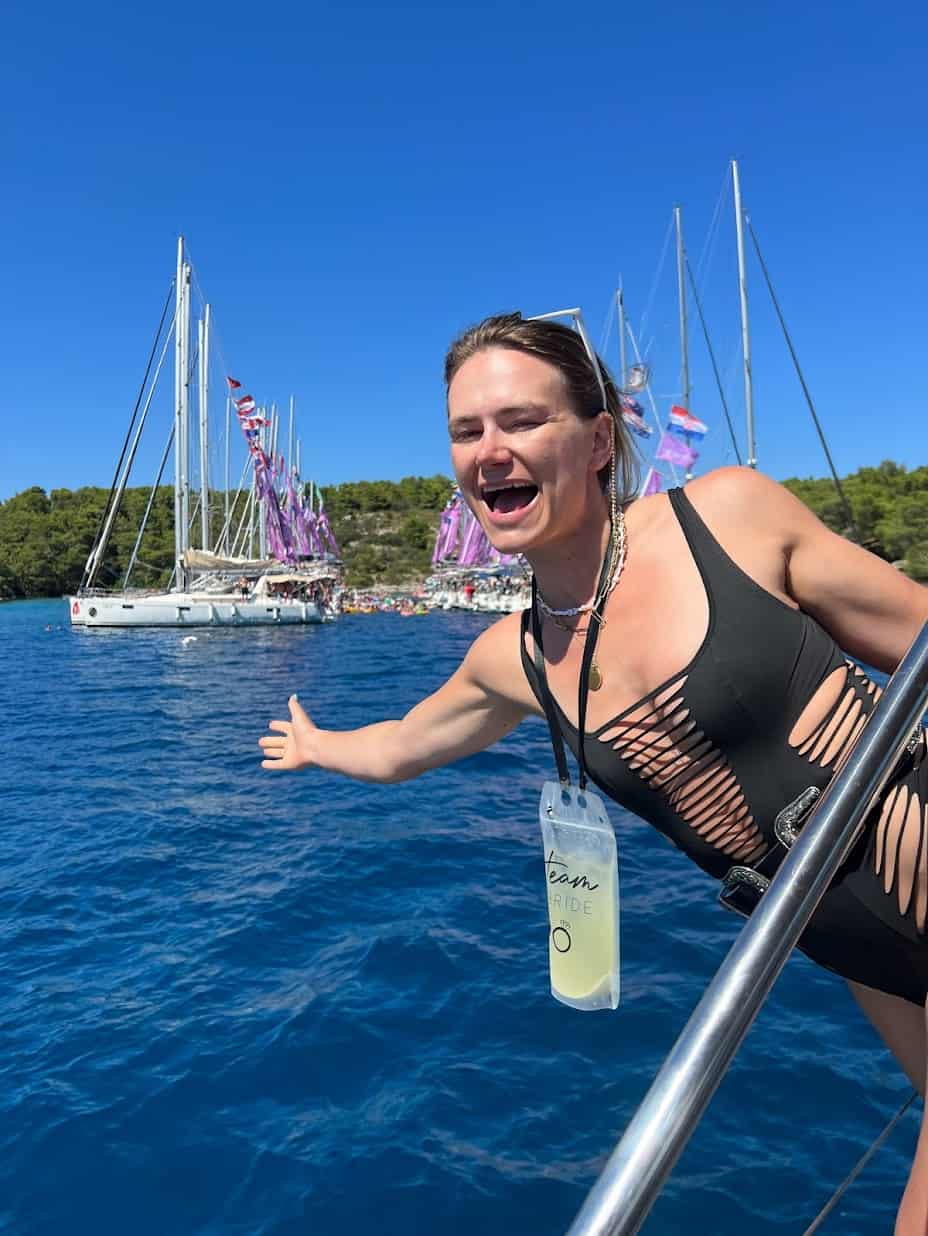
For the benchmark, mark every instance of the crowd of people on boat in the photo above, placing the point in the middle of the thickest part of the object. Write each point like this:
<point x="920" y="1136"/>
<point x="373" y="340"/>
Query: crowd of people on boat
<point x="366" y="601"/>
<point x="321" y="592"/>
<point x="476" y="592"/>
<point x="500" y="594"/>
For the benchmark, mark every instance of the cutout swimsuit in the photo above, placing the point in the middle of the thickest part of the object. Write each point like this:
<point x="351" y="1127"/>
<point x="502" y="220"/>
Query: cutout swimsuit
<point x="709" y="759"/>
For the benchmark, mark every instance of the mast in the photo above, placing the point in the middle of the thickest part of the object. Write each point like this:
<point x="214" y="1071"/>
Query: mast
<point x="681" y="290"/>
<point x="299" y="470"/>
<point x="181" y="415"/>
<point x="620" y="303"/>
<point x="265" y="441"/>
<point x="203" y="392"/>
<point x="290" y="441"/>
<point x="745" y="332"/>
<point x="185" y="421"/>
<point x="227" y="512"/>
<point x="251" y="518"/>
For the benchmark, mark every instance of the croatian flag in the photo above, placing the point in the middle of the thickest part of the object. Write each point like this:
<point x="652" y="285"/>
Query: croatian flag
<point x="633" y="416"/>
<point x="676" y="452"/>
<point x="683" y="423"/>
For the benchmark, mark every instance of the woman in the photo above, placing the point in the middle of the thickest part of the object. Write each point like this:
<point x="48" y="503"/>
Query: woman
<point x="716" y="693"/>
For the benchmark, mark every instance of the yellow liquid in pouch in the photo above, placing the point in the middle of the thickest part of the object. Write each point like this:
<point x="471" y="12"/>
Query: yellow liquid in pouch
<point x="582" y="942"/>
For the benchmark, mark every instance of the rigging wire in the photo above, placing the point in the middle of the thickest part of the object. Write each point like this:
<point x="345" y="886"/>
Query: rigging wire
<point x="151" y="499"/>
<point x="708" y="248"/>
<point x="650" y="394"/>
<point x="656" y="280"/>
<point x="135" y="411"/>
<point x="858" y="1168"/>
<point x="216" y="349"/>
<point x="715" y="368"/>
<point x="849" y="514"/>
<point x="93" y="562"/>
<point x="607" y="329"/>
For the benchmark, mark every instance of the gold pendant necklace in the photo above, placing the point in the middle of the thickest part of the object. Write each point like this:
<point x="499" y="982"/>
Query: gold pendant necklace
<point x="596" y="674"/>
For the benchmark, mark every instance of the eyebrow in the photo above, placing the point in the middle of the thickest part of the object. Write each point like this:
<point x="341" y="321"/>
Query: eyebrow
<point x="509" y="410"/>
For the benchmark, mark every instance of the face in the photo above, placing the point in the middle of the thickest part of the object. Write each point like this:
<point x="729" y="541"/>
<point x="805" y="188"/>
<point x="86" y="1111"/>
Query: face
<point x="525" y="462"/>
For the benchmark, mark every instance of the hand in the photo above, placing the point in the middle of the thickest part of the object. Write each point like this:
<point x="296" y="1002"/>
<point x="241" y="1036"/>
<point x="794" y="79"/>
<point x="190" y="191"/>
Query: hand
<point x="289" y="748"/>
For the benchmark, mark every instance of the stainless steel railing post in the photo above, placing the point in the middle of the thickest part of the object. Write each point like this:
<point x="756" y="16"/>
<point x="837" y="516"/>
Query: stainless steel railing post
<point x="620" y="1200"/>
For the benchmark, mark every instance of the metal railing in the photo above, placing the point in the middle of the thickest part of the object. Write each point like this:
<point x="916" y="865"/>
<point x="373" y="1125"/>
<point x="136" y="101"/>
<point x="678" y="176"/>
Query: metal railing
<point x="620" y="1200"/>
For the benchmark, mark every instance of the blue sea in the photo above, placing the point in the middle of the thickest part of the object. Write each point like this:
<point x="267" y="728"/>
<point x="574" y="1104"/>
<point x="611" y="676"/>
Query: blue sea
<point x="233" y="1001"/>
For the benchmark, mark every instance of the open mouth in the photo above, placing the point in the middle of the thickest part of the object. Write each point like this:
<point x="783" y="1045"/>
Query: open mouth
<point x="507" y="499"/>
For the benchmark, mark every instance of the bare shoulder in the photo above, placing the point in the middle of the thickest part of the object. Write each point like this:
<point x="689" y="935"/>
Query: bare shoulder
<point x="495" y="661"/>
<point x="743" y="498"/>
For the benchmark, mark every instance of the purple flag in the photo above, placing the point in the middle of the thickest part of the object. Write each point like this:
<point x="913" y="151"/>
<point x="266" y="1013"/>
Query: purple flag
<point x="446" y="548"/>
<point x="312" y="534"/>
<point x="324" y="531"/>
<point x="676" y="452"/>
<point x="447" y="530"/>
<point x="278" y="540"/>
<point x="652" y="483"/>
<point x="471" y="549"/>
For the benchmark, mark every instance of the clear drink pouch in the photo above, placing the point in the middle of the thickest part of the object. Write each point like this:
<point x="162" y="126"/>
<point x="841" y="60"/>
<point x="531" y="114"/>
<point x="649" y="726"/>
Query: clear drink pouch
<point x="582" y="881"/>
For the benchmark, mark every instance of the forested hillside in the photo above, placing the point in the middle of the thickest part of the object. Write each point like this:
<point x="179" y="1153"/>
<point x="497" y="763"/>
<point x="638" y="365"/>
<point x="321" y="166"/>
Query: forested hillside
<point x="890" y="506"/>
<point x="385" y="528"/>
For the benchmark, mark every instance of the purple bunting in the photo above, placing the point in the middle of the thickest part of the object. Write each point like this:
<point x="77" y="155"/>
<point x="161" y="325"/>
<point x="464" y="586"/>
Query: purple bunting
<point x="676" y="452"/>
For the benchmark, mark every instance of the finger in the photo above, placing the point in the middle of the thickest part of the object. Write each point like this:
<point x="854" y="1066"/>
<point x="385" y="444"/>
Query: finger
<point x="279" y="765"/>
<point x="283" y="727"/>
<point x="271" y="743"/>
<point x="297" y="711"/>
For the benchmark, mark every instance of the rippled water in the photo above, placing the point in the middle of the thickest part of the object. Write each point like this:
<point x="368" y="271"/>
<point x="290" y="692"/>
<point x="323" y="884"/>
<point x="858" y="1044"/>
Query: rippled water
<point x="235" y="1002"/>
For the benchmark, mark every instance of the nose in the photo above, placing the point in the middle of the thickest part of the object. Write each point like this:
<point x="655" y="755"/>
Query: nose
<point x="493" y="447"/>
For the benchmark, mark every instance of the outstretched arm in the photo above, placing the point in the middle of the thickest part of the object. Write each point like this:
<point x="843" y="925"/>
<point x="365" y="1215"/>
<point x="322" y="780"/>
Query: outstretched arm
<point x="871" y="609"/>
<point x="484" y="699"/>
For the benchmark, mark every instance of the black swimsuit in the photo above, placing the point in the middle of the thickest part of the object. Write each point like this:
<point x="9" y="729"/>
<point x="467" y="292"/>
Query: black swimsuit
<point x="706" y="758"/>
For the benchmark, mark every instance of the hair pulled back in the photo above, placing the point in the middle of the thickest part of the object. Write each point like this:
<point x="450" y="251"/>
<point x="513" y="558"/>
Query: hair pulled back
<point x="563" y="348"/>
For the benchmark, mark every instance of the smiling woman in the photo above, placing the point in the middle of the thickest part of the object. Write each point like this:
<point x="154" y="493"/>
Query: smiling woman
<point x="711" y="626"/>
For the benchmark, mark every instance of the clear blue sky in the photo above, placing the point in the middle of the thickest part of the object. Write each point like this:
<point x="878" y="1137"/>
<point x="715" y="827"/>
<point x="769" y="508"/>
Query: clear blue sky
<point x="358" y="182"/>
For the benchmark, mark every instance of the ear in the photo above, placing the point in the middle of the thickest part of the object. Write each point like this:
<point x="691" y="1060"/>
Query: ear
<point x="603" y="441"/>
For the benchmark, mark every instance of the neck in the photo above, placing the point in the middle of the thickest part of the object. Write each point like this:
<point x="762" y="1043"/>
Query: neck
<point x="568" y="571"/>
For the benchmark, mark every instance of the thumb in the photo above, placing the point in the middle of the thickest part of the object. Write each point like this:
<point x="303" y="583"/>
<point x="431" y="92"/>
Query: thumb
<point x="297" y="711"/>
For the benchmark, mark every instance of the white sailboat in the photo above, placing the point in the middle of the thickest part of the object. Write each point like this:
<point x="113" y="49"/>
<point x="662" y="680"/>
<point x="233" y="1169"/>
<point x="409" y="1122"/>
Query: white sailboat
<point x="215" y="584"/>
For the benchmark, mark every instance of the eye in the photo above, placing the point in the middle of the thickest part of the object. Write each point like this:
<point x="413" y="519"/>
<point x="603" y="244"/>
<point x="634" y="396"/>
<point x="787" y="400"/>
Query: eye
<point x="464" y="433"/>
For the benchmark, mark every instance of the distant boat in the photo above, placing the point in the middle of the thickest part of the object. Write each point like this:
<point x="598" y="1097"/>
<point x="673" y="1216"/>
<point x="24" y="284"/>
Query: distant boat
<point x="222" y="583"/>
<point x="468" y="573"/>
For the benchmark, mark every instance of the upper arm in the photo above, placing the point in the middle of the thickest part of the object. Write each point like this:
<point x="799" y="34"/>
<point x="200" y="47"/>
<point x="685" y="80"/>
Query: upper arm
<point x="485" y="698"/>
<point x="871" y="609"/>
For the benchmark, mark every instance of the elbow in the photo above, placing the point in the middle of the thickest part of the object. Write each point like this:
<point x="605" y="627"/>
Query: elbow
<point x="400" y="771"/>
<point x="393" y="765"/>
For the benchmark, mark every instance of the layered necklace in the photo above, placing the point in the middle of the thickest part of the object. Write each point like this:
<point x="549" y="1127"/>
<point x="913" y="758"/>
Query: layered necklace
<point x="616" y="552"/>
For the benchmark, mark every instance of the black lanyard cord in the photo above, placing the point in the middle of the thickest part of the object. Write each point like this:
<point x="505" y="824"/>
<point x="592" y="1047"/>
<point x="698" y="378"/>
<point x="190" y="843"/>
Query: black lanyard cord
<point x="547" y="699"/>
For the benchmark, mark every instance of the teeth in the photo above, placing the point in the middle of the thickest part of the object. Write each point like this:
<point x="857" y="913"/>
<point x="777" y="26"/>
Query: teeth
<point x="496" y="489"/>
<point x="489" y="493"/>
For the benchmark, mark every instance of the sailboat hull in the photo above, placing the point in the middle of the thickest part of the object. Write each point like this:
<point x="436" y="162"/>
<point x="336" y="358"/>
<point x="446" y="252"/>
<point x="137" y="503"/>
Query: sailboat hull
<point x="190" y="610"/>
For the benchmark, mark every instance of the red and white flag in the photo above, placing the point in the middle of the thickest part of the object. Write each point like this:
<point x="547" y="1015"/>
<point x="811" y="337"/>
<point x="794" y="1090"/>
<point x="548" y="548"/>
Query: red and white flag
<point x="233" y="385"/>
<point x="245" y="405"/>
